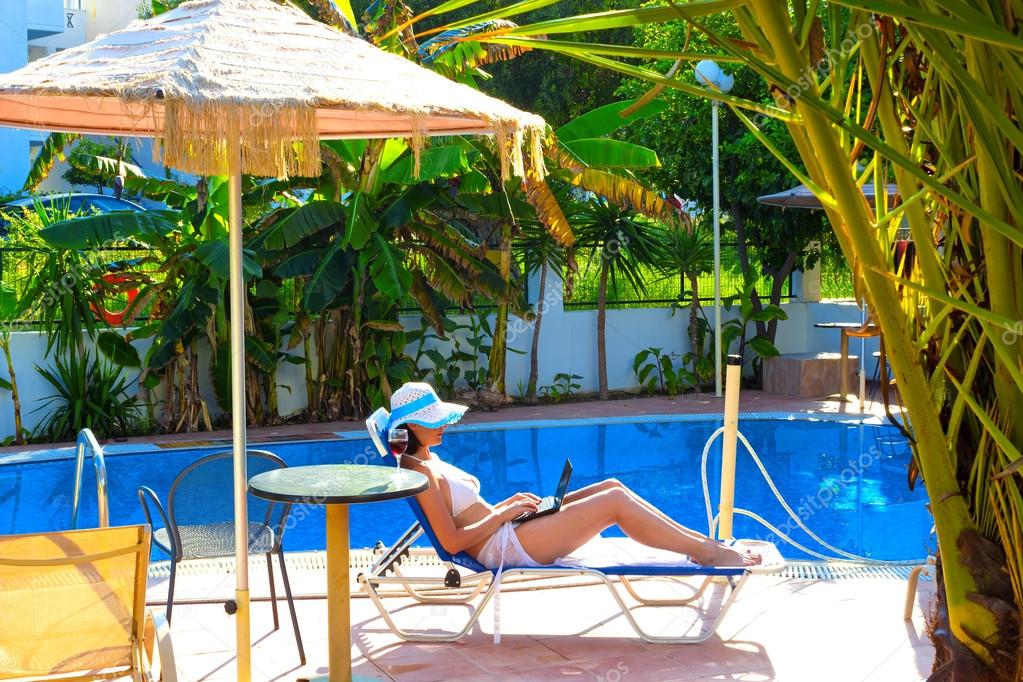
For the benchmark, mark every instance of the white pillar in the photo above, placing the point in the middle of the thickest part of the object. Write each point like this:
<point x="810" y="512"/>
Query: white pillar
<point x="716" y="106"/>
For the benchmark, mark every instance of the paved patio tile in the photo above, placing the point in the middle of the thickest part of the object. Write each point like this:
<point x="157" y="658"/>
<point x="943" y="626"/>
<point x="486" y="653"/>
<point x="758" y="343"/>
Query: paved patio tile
<point x="715" y="657"/>
<point x="750" y="401"/>
<point x="905" y="663"/>
<point x="521" y="655"/>
<point x="779" y="629"/>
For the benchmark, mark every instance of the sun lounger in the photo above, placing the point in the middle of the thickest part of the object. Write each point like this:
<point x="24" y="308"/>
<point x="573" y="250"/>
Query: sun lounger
<point x="611" y="561"/>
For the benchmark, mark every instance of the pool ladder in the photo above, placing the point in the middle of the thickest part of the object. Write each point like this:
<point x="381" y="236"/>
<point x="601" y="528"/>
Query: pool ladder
<point x="87" y="443"/>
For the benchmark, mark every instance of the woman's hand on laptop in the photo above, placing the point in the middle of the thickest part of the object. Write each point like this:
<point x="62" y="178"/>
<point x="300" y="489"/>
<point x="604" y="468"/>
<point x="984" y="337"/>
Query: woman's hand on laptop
<point x="520" y="497"/>
<point x="516" y="505"/>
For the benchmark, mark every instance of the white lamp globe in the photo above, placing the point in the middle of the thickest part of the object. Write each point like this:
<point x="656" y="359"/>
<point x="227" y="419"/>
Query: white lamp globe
<point x="707" y="72"/>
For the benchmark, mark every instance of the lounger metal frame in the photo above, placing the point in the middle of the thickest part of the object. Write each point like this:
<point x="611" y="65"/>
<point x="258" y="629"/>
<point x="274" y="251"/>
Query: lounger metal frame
<point x="488" y="583"/>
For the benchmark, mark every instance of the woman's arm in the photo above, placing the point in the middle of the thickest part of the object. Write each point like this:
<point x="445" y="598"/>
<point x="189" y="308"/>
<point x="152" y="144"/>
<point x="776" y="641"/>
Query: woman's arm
<point x="455" y="539"/>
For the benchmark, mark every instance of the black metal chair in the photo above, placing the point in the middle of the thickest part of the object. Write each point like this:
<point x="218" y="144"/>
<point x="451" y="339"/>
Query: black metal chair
<point x="198" y="522"/>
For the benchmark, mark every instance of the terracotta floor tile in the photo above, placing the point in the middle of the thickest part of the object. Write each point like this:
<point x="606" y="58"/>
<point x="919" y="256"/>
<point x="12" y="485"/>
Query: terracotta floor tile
<point x="519" y="656"/>
<point x="591" y="648"/>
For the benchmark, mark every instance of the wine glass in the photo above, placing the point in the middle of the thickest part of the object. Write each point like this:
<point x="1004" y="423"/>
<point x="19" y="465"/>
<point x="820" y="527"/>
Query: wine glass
<point x="397" y="440"/>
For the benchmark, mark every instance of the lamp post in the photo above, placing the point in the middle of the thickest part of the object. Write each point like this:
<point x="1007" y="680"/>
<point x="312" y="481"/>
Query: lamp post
<point x="711" y="75"/>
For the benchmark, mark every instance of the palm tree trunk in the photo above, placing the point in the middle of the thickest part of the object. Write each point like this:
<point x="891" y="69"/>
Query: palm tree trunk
<point x="6" y="342"/>
<point x="499" y="344"/>
<point x="970" y="621"/>
<point x="601" y="332"/>
<point x="534" y="362"/>
<point x="694" y="316"/>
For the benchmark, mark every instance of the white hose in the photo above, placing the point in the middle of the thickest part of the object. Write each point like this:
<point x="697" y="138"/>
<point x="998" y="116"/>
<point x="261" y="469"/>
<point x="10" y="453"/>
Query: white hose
<point x="712" y="520"/>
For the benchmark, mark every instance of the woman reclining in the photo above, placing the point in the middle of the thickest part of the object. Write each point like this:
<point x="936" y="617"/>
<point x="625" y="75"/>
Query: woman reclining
<point x="463" y="521"/>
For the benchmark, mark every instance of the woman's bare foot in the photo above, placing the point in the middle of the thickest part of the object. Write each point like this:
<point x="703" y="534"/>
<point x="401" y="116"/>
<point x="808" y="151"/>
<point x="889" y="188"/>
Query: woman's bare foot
<point x="726" y="556"/>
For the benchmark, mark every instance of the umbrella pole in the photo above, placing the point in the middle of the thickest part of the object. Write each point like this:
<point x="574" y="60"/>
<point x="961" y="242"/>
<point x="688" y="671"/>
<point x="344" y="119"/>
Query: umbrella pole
<point x="241" y="514"/>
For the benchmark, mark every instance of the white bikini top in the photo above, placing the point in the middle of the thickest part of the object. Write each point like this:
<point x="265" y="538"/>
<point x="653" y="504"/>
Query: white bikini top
<point x="464" y="487"/>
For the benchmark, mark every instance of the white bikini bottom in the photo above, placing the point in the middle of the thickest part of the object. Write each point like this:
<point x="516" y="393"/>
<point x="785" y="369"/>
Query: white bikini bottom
<point x="503" y="550"/>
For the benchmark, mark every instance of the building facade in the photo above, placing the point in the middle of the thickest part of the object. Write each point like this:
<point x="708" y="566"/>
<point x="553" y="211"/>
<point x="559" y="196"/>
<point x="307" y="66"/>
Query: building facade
<point x="30" y="29"/>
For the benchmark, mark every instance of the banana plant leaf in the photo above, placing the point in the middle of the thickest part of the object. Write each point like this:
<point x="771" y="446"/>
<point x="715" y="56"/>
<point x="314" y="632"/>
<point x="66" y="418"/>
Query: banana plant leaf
<point x="117" y="349"/>
<point x="387" y="270"/>
<point x="299" y="264"/>
<point x="607" y="119"/>
<point x="101" y="230"/>
<point x="215" y="256"/>
<point x="329" y="279"/>
<point x="608" y="153"/>
<point x="443" y="161"/>
<point x="359" y="223"/>
<point x="300" y="223"/>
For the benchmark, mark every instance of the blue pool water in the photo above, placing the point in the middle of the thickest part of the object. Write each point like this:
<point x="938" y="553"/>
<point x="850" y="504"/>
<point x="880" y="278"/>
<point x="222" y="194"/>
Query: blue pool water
<point x="847" y="480"/>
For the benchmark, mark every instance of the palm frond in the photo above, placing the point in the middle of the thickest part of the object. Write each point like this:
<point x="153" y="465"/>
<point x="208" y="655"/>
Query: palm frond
<point x="471" y="53"/>
<point x="49" y="154"/>
<point x="548" y="209"/>
<point x="628" y="192"/>
<point x="336" y="13"/>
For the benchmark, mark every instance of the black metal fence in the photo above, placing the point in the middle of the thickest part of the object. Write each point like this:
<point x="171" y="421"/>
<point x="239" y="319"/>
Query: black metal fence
<point x="660" y="291"/>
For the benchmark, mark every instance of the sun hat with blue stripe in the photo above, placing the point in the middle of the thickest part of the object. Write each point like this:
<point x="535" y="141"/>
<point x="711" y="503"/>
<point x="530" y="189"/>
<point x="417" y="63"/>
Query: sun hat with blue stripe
<point x="418" y="403"/>
<point x="415" y="403"/>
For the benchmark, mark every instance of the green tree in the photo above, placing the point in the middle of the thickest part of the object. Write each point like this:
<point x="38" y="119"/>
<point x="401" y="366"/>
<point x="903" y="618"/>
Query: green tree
<point x="98" y="163"/>
<point x="620" y="242"/>
<point x="768" y="239"/>
<point x="537" y="251"/>
<point x="691" y="253"/>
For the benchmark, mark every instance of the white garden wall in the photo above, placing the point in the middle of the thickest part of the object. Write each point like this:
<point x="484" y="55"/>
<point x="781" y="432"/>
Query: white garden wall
<point x="567" y="345"/>
<point x="568" y="338"/>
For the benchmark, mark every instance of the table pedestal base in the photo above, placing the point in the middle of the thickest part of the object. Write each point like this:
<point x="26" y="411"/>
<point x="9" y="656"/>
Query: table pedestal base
<point x="339" y="626"/>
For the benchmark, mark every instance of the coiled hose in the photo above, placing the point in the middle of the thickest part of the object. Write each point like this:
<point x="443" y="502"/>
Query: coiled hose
<point x="712" y="520"/>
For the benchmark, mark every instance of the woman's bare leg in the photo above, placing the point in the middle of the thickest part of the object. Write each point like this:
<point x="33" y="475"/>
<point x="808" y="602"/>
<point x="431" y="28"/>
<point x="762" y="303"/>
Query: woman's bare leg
<point x="556" y="535"/>
<point x="610" y="483"/>
<point x="592" y="489"/>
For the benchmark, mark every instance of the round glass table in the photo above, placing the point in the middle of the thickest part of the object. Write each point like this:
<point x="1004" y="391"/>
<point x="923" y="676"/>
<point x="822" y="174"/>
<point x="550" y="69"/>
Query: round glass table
<point x="336" y="486"/>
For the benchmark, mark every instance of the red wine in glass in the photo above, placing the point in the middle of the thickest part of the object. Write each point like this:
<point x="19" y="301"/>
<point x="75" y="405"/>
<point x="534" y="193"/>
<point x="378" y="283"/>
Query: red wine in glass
<point x="397" y="441"/>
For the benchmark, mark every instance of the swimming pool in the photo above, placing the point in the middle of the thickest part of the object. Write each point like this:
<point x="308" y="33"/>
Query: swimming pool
<point x="847" y="480"/>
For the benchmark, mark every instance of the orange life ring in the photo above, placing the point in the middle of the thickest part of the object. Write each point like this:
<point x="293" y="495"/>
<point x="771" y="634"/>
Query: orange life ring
<point x="116" y="317"/>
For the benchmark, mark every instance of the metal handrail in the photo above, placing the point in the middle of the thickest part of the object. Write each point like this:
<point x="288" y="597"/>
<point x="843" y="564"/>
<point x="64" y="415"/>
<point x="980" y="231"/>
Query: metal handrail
<point x="87" y="441"/>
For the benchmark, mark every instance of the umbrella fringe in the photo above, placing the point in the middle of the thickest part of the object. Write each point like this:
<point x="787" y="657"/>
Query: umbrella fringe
<point x="276" y="141"/>
<point x="417" y="140"/>
<point x="282" y="141"/>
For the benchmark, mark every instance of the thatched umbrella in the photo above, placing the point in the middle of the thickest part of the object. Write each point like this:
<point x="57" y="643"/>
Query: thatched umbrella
<point x="232" y="87"/>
